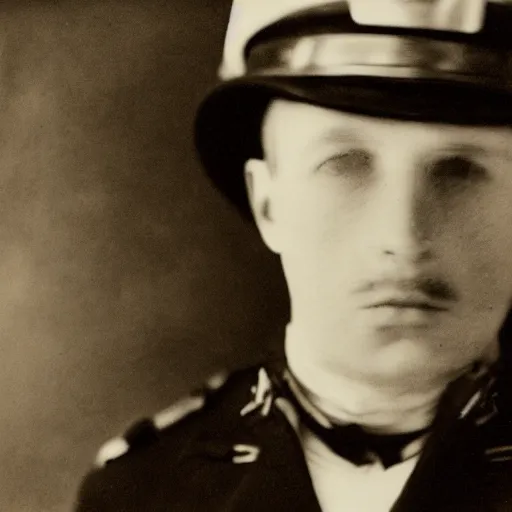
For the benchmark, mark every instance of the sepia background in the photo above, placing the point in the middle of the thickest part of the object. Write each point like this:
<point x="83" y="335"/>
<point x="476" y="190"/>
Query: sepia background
<point x="124" y="278"/>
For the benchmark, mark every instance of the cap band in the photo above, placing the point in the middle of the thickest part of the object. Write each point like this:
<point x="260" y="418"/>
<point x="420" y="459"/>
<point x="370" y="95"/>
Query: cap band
<point x="381" y="55"/>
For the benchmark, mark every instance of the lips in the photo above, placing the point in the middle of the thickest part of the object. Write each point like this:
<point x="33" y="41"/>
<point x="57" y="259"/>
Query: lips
<point x="415" y="301"/>
<point x="408" y="305"/>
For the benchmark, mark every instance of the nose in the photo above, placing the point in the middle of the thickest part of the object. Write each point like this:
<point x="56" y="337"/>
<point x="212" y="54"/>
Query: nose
<point x="403" y="219"/>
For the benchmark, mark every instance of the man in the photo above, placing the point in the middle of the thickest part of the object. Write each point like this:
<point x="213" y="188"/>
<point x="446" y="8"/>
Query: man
<point x="373" y="139"/>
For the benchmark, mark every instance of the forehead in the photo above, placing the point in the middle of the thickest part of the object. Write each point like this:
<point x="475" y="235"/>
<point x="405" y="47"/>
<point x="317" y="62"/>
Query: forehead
<point x="293" y="124"/>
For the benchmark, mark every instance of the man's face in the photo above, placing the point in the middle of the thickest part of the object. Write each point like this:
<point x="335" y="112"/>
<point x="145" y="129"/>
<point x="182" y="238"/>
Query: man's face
<point x="395" y="237"/>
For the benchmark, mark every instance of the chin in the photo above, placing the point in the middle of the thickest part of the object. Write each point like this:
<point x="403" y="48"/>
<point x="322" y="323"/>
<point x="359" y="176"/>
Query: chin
<point x="415" y="358"/>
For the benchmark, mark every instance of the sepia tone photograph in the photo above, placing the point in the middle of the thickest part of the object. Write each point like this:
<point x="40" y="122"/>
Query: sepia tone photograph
<point x="257" y="256"/>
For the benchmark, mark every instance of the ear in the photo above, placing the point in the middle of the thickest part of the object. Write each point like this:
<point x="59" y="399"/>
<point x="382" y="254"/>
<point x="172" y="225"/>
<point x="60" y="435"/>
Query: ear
<point x="260" y="185"/>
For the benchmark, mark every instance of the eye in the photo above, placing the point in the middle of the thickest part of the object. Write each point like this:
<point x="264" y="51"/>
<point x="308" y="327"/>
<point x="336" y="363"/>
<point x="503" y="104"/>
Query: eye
<point x="458" y="169"/>
<point x="352" y="161"/>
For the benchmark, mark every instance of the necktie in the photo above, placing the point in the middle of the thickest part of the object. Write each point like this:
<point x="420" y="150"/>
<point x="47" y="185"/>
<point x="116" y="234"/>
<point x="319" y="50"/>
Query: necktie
<point x="351" y="441"/>
<point x="471" y="395"/>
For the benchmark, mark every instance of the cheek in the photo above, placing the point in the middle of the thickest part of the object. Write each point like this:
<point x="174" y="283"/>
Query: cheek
<point x="492" y="268"/>
<point x="318" y="251"/>
<point x="476" y="249"/>
<point x="315" y="219"/>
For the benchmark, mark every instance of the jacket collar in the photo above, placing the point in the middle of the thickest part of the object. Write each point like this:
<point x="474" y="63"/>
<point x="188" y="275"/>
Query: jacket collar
<point x="455" y="470"/>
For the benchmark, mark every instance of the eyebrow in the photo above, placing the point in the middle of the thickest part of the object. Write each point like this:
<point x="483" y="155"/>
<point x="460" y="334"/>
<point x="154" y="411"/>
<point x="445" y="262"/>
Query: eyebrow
<point x="478" y="150"/>
<point x="343" y="134"/>
<point x="333" y="135"/>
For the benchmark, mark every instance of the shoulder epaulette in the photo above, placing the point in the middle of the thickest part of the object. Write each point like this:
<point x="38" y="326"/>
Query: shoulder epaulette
<point x="146" y="430"/>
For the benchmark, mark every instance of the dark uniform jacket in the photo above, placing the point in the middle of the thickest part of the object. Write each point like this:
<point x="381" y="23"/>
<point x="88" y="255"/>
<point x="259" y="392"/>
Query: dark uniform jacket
<point x="232" y="449"/>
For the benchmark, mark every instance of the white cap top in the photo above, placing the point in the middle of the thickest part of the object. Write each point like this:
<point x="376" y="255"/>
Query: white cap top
<point x="250" y="16"/>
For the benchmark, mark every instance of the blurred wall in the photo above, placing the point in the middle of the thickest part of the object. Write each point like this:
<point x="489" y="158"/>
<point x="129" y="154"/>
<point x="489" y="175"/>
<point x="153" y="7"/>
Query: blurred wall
<point x="124" y="278"/>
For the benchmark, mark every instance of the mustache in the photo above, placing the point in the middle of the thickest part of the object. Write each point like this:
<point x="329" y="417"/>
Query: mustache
<point x="432" y="287"/>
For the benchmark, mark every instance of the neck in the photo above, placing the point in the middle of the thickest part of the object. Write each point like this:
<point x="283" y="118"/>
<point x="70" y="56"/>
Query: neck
<point x="384" y="409"/>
